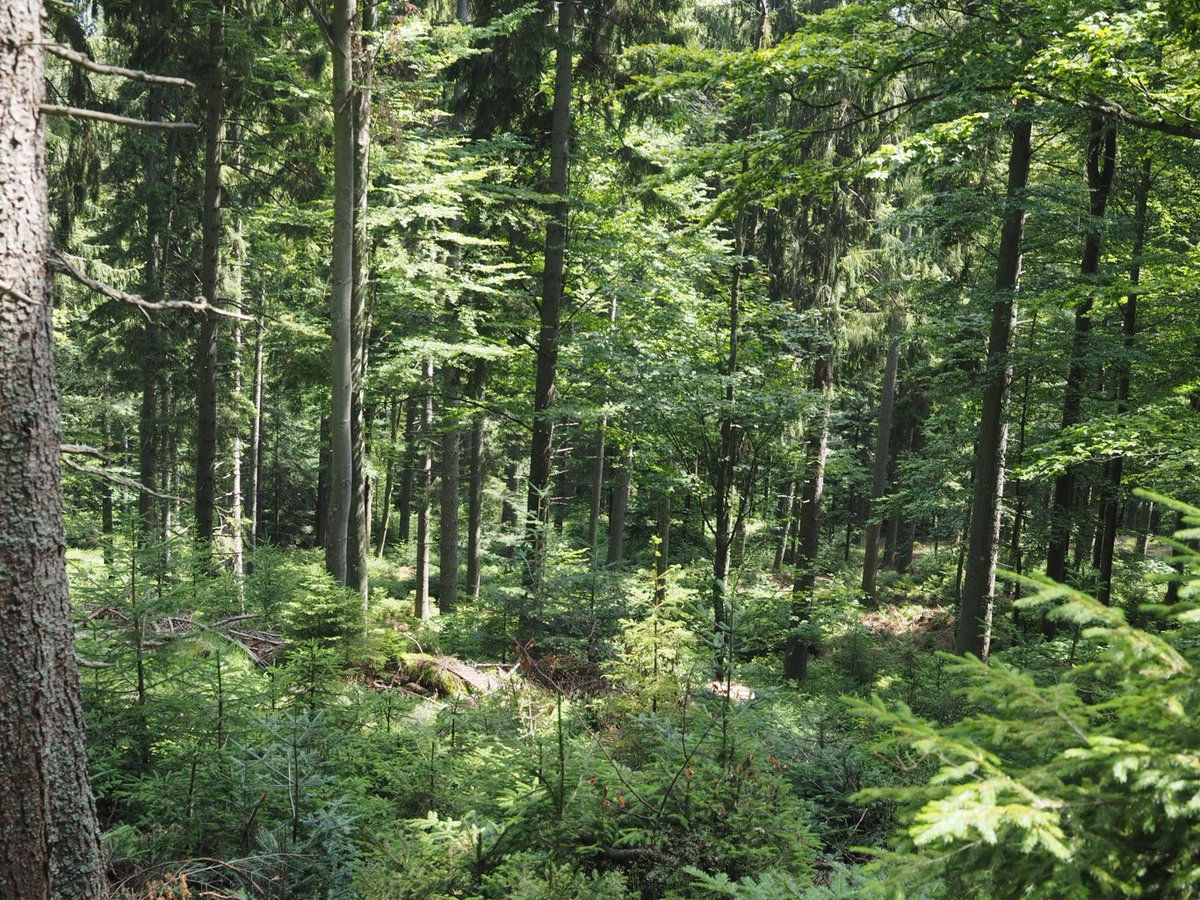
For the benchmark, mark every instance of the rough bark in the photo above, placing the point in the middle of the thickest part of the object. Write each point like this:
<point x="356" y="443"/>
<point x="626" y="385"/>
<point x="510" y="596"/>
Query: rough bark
<point x="1101" y="165"/>
<point x="549" y="311"/>
<point x="210" y="282"/>
<point x="974" y="630"/>
<point x="50" y="840"/>
<point x="879" y="469"/>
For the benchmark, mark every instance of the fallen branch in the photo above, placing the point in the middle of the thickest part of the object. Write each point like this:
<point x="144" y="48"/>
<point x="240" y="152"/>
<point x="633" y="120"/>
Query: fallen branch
<point x="74" y="112"/>
<point x="82" y="59"/>
<point x="58" y="264"/>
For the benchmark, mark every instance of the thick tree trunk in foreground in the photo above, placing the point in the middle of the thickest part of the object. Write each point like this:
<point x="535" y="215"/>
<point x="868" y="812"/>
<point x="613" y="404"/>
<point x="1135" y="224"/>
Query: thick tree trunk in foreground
<point x="341" y="300"/>
<point x="50" y="840"/>
<point x="979" y="580"/>
<point x="879" y="468"/>
<point x="541" y="451"/>
<point x="210" y="284"/>
<point x="1101" y="164"/>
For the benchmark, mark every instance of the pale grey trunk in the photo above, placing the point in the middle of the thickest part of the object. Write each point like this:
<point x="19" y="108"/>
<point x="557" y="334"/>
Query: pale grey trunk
<point x="425" y="494"/>
<point x="448" y="523"/>
<point x="341" y="301"/>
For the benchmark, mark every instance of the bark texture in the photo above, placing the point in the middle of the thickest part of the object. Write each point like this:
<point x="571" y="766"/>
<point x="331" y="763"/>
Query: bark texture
<point x="50" y="840"/>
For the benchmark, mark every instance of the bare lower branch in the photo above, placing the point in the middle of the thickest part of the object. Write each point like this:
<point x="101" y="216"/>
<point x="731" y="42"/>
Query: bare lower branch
<point x="75" y="112"/>
<point x="82" y="59"/>
<point x="83" y="450"/>
<point x="121" y="480"/>
<point x="92" y="664"/>
<point x="58" y="264"/>
<point x="9" y="289"/>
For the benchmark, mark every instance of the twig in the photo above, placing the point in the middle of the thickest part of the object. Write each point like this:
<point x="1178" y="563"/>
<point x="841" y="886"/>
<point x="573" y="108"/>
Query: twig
<point x="121" y="480"/>
<point x="82" y="59"/>
<point x="58" y="264"/>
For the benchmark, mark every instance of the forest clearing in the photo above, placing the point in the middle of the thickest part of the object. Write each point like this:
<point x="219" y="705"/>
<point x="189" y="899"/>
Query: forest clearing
<point x="572" y="451"/>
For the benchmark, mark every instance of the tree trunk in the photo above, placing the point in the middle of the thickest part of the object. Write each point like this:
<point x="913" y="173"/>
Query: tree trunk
<point x="404" y="530"/>
<point x="321" y="521"/>
<point x="879" y="469"/>
<point x="341" y="300"/>
<point x="808" y="532"/>
<point x="549" y="312"/>
<point x="254" y="472"/>
<point x="358" y="527"/>
<point x="389" y="479"/>
<point x="475" y="477"/>
<point x="597" y="497"/>
<point x="1116" y="466"/>
<point x="424" y="493"/>
<point x="974" y="631"/>
<point x="448" y="523"/>
<point x="210" y="285"/>
<point x="50" y="840"/>
<point x="662" y="553"/>
<point x="1101" y="164"/>
<point x="616" y="522"/>
<point x="784" y="517"/>
<point x="237" y="525"/>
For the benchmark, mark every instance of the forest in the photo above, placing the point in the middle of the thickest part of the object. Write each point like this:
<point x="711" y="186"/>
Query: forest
<point x="577" y="450"/>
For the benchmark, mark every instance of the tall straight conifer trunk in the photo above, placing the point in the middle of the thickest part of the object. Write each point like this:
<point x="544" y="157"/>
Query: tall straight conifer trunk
<point x="49" y="836"/>
<point x="974" y="630"/>
<point x="550" y="309"/>
<point x="341" y="300"/>
<point x="210" y="282"/>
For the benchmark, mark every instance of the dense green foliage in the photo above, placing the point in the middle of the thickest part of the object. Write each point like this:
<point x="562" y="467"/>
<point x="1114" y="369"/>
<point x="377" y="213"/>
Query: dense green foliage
<point x="680" y="684"/>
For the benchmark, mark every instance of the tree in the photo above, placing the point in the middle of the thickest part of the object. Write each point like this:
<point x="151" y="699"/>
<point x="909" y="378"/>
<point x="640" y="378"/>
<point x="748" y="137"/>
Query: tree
<point x="50" y="839"/>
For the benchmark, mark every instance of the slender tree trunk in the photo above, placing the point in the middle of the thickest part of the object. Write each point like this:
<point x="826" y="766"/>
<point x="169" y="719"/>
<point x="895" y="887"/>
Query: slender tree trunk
<point x="1101" y="164"/>
<point x="49" y="840"/>
<point x="148" y="425"/>
<point x="1116" y="467"/>
<point x="389" y="479"/>
<point x="1016" y="553"/>
<point x="974" y="632"/>
<point x="341" y="301"/>
<point x="404" y="531"/>
<point x="358" y="527"/>
<point x="784" y="516"/>
<point x="425" y="493"/>
<point x="475" y="480"/>
<point x="598" y="464"/>
<point x="237" y="513"/>
<point x="662" y="553"/>
<point x="616" y="523"/>
<point x="808" y="532"/>
<point x="549" y="312"/>
<point x="321" y="522"/>
<point x="254" y="485"/>
<point x="210" y="283"/>
<point x="879" y="468"/>
<point x="1147" y="530"/>
<point x="448" y="523"/>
